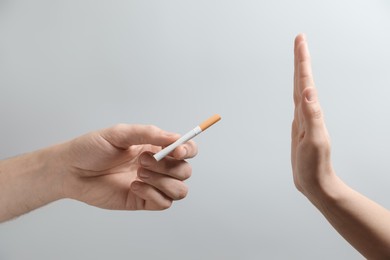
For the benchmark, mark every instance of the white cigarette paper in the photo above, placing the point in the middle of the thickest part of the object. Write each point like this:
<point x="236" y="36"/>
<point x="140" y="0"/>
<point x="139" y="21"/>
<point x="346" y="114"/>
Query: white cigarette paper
<point x="188" y="136"/>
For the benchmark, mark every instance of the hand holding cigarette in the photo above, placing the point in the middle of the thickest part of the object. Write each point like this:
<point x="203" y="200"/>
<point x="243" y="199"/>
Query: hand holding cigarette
<point x="188" y="136"/>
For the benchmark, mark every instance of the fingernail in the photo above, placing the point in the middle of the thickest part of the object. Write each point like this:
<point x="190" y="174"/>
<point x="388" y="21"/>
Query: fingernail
<point x="184" y="152"/>
<point x="143" y="174"/>
<point x="146" y="160"/>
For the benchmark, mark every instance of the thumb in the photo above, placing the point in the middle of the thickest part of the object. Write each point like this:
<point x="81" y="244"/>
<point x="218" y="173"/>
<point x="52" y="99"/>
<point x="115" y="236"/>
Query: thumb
<point x="312" y="111"/>
<point x="123" y="136"/>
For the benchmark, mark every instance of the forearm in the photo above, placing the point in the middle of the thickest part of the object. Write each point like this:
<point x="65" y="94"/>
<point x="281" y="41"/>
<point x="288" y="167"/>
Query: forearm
<point x="29" y="181"/>
<point x="362" y="222"/>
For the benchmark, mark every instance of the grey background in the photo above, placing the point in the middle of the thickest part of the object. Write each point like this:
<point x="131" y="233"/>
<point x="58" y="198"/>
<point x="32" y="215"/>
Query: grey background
<point x="69" y="67"/>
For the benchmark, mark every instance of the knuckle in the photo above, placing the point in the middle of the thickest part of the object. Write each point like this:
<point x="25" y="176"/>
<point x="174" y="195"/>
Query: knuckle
<point x="304" y="74"/>
<point x="152" y="128"/>
<point x="151" y="131"/>
<point x="144" y="132"/>
<point x="186" y="171"/>
<point x="181" y="192"/>
<point x="119" y="127"/>
<point x="194" y="148"/>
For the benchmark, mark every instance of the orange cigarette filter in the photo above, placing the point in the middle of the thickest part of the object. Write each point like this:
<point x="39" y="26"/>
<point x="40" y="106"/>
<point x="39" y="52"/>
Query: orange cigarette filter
<point x="209" y="122"/>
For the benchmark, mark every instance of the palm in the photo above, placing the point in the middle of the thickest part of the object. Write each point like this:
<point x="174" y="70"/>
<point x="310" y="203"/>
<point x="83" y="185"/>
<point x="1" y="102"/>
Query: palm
<point x="105" y="172"/>
<point x="303" y="159"/>
<point x="310" y="148"/>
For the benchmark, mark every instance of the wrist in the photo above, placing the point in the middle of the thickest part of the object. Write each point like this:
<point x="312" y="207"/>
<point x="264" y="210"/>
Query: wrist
<point x="29" y="181"/>
<point x="53" y="172"/>
<point x="326" y="192"/>
<point x="41" y="175"/>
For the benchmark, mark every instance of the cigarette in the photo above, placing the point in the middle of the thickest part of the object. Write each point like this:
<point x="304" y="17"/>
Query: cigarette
<point x="188" y="136"/>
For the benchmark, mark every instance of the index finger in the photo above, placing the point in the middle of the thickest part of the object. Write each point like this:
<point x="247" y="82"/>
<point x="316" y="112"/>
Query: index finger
<point x="304" y="75"/>
<point x="123" y="136"/>
<point x="298" y="40"/>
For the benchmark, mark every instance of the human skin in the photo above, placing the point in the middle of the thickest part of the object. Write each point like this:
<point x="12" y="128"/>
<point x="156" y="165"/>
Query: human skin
<point x="112" y="169"/>
<point x="361" y="221"/>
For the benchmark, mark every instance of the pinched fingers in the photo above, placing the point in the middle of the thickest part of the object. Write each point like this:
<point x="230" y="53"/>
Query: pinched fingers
<point x="149" y="198"/>
<point x="171" y="187"/>
<point x="178" y="169"/>
<point x="165" y="176"/>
